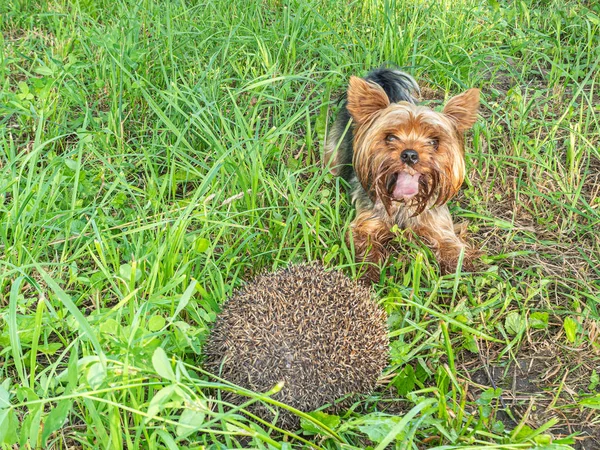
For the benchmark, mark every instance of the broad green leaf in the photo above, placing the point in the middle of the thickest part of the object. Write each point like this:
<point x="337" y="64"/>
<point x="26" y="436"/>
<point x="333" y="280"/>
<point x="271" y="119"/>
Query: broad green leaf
<point x="486" y="397"/>
<point x="126" y="272"/>
<point x="156" y="322"/>
<point x="378" y="427"/>
<point x="162" y="364"/>
<point x="543" y="439"/>
<point x="56" y="419"/>
<point x="30" y="427"/>
<point x="50" y="349"/>
<point x="8" y="427"/>
<point x="109" y="326"/>
<point x="4" y="398"/>
<point x="158" y="401"/>
<point x="96" y="375"/>
<point x="201" y="245"/>
<point x="42" y="70"/>
<point x="494" y="4"/>
<point x="329" y="420"/>
<point x="498" y="427"/>
<point x="524" y="433"/>
<point x="538" y="320"/>
<point x="398" y="352"/>
<point x="570" y="326"/>
<point x="405" y="381"/>
<point x="23" y="87"/>
<point x="189" y="422"/>
<point x="593" y="18"/>
<point x="71" y="164"/>
<point x="470" y="343"/>
<point x="512" y="322"/>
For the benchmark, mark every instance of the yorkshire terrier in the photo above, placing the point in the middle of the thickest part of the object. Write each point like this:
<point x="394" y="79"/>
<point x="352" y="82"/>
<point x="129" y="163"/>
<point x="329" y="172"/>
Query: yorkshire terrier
<point x="403" y="162"/>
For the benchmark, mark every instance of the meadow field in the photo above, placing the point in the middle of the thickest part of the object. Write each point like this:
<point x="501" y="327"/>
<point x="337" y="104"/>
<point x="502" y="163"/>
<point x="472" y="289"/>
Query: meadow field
<point x="154" y="156"/>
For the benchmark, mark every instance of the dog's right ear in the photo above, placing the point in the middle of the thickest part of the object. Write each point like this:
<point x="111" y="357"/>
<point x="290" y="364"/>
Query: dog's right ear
<point x="462" y="109"/>
<point x="365" y="99"/>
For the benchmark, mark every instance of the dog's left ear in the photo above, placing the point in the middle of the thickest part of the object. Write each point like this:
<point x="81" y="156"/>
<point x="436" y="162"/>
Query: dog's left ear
<point x="462" y="109"/>
<point x="365" y="99"/>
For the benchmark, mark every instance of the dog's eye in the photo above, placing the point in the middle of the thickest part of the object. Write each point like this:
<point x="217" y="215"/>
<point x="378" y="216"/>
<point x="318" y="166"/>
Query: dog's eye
<point x="391" y="138"/>
<point x="435" y="143"/>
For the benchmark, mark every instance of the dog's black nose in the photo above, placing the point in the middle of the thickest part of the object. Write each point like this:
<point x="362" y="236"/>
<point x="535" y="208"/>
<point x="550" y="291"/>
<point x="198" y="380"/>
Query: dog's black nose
<point x="409" y="157"/>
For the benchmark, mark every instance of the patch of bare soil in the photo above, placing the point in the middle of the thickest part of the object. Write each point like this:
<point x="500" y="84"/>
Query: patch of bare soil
<point x="545" y="380"/>
<point x="558" y="248"/>
<point x="430" y="93"/>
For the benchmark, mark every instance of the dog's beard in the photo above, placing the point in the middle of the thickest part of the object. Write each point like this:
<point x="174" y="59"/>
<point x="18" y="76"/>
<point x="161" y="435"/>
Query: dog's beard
<point x="415" y="187"/>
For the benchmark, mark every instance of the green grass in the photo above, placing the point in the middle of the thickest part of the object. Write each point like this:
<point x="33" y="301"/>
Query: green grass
<point x="154" y="155"/>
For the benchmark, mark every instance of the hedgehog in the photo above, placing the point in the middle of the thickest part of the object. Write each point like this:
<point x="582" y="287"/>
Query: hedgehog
<point x="317" y="332"/>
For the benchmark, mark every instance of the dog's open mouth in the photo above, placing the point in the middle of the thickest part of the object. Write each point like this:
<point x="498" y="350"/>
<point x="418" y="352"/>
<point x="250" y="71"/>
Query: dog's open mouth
<point x="403" y="186"/>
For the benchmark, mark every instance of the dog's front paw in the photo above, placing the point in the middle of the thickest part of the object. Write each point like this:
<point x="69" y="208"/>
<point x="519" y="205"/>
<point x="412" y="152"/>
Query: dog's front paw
<point x="449" y="259"/>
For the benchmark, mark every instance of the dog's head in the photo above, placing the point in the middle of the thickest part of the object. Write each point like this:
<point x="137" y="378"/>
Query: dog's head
<point x="409" y="153"/>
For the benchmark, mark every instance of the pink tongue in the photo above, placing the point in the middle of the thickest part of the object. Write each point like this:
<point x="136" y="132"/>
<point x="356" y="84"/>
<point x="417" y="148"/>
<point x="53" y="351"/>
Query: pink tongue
<point x="407" y="186"/>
